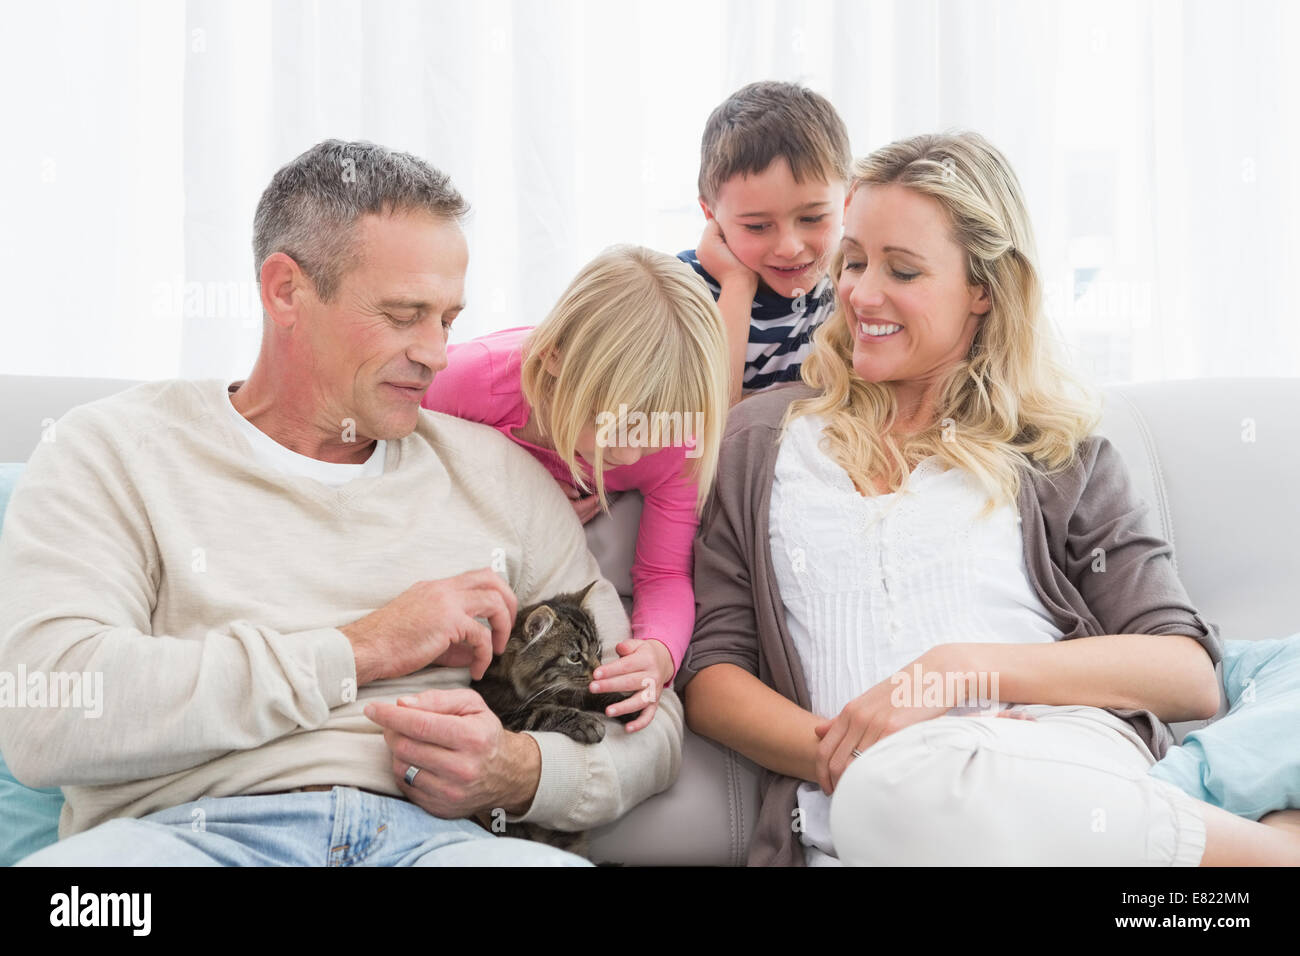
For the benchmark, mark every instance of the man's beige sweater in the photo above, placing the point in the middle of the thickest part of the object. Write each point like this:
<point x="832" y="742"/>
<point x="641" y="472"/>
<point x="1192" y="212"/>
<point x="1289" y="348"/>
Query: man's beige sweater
<point x="146" y="543"/>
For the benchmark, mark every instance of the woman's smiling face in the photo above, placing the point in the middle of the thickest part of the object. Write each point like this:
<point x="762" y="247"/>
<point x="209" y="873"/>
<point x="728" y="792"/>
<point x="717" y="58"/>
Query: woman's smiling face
<point x="903" y="283"/>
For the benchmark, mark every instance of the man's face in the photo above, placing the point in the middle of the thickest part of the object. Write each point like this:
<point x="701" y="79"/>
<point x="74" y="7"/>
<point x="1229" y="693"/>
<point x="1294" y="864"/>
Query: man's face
<point x="377" y="346"/>
<point x="782" y="230"/>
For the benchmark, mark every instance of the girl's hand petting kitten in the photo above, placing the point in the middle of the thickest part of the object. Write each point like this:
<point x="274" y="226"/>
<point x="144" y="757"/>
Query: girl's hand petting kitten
<point x="586" y="507"/>
<point x="643" y="667"/>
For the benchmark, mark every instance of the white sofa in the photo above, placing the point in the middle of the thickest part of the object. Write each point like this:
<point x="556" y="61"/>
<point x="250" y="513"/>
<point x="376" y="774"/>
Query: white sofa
<point x="1218" y="460"/>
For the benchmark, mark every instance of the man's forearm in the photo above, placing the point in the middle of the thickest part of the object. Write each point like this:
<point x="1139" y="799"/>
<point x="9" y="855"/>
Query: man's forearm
<point x="522" y="773"/>
<point x="369" y="665"/>
<point x="582" y="786"/>
<point x="167" y="703"/>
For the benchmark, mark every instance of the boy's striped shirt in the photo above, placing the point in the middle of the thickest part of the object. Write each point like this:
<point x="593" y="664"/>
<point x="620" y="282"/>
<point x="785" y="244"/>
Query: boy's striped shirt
<point x="780" y="329"/>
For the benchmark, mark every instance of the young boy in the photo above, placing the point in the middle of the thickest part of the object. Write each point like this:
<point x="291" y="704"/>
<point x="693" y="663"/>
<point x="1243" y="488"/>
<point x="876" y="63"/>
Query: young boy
<point x="774" y="168"/>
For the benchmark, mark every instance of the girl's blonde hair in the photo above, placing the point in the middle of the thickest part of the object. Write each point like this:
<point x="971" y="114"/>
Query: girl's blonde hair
<point x="1011" y="400"/>
<point x="636" y="331"/>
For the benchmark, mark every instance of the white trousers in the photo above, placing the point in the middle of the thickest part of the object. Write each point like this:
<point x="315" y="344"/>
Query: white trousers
<point x="1068" y="788"/>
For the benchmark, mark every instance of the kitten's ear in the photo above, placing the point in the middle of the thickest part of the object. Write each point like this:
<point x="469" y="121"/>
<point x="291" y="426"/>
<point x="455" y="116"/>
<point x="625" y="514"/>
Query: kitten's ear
<point x="538" y="622"/>
<point x="582" y="595"/>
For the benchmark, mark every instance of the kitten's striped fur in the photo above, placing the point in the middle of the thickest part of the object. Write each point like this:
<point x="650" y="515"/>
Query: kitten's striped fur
<point x="540" y="683"/>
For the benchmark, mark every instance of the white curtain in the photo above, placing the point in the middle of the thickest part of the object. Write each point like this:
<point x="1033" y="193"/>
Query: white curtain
<point x="1153" y="139"/>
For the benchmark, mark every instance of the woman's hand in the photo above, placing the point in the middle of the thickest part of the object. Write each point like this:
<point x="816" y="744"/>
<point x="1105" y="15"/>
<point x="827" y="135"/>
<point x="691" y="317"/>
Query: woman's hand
<point x="883" y="710"/>
<point x="584" y="506"/>
<point x="643" y="667"/>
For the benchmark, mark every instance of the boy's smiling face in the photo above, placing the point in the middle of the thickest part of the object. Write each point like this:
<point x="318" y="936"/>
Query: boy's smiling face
<point x="784" y="231"/>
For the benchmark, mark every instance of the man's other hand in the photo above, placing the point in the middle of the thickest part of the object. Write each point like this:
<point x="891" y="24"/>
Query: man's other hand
<point x="433" y="622"/>
<point x="468" y="762"/>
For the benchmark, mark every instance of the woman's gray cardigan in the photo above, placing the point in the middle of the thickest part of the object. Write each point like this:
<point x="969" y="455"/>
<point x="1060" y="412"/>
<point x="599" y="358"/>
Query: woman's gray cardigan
<point x="740" y="618"/>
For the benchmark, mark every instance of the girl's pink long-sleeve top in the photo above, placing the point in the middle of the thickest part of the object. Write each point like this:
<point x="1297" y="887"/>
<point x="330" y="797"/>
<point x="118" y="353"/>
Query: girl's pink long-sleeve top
<point x="482" y="383"/>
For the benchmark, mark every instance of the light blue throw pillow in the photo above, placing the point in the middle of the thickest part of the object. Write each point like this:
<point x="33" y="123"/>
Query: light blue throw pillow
<point x="1247" y="761"/>
<point x="9" y="472"/>
<point x="31" y="817"/>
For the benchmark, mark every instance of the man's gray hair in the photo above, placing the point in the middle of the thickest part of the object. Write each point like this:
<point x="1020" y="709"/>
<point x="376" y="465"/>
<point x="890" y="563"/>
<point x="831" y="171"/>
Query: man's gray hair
<point x="310" y="210"/>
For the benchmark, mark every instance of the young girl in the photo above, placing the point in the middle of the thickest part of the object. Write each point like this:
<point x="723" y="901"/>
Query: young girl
<point x="635" y="342"/>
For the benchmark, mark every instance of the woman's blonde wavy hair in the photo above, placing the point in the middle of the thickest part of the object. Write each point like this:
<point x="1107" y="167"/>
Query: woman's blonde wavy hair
<point x="1011" y="401"/>
<point x="639" y="329"/>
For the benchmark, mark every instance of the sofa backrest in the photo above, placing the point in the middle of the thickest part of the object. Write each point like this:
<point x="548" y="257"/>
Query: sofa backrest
<point x="32" y="401"/>
<point x="1218" y="460"/>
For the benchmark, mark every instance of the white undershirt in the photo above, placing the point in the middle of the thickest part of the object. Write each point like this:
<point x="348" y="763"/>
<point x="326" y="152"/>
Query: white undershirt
<point x="274" y="455"/>
<point x="870" y="583"/>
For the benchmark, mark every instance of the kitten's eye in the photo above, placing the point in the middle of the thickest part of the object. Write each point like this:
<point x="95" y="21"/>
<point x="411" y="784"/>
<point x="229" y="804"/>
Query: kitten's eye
<point x="574" y="658"/>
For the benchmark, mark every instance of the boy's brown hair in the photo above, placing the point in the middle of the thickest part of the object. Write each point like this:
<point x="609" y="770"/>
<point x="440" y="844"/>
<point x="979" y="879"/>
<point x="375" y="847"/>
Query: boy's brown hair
<point x="766" y="120"/>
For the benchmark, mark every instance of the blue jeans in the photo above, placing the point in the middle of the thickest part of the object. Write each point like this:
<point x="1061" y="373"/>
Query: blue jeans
<point x="344" y="827"/>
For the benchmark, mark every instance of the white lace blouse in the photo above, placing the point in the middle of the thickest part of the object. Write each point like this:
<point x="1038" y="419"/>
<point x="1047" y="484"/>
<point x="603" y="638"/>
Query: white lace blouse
<point x="870" y="583"/>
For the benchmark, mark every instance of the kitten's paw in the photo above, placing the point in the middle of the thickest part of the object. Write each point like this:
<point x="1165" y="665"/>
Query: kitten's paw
<point x="585" y="728"/>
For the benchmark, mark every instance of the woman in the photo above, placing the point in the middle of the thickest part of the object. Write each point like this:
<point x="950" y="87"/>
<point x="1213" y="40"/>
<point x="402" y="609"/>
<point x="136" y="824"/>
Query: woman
<point x="930" y="505"/>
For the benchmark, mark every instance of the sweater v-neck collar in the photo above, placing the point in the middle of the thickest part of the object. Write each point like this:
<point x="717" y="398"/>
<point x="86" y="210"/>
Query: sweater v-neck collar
<point x="216" y="391"/>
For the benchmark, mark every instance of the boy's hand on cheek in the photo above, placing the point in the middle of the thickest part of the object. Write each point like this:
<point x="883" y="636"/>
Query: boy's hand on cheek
<point x="720" y="262"/>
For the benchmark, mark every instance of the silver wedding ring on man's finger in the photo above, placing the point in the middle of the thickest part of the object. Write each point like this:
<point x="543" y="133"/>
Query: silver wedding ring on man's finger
<point x="411" y="771"/>
<point x="855" y="752"/>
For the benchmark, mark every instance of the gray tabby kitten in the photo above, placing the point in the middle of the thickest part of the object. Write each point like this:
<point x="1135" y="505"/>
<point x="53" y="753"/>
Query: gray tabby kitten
<point x="540" y="683"/>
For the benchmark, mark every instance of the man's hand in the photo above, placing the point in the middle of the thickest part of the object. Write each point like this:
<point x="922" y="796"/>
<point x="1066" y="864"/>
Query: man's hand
<point x="433" y="622"/>
<point x="468" y="762"/>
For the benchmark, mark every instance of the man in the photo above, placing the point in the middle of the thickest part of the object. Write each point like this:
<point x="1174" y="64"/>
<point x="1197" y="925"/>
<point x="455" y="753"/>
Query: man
<point x="281" y="582"/>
